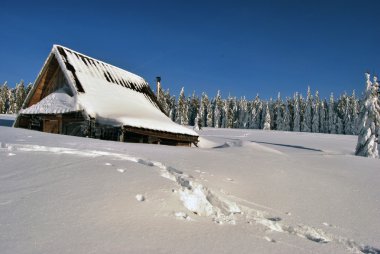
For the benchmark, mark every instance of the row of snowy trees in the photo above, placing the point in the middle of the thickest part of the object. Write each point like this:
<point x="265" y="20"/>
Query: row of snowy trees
<point x="11" y="99"/>
<point x="310" y="114"/>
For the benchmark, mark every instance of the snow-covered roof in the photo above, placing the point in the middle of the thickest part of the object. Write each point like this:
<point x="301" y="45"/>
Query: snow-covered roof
<point x="58" y="102"/>
<point x="108" y="93"/>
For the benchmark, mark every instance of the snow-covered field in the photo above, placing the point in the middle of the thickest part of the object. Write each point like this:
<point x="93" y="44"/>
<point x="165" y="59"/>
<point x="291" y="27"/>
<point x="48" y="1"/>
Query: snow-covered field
<point x="242" y="191"/>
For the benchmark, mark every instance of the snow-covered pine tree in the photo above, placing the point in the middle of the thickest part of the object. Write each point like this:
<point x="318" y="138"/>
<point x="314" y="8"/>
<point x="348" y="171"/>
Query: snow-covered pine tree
<point x="20" y="95"/>
<point x="339" y="125"/>
<point x="331" y="117"/>
<point x="228" y="109"/>
<point x="198" y="122"/>
<point x="307" y="118"/>
<point x="243" y="114"/>
<point x="12" y="107"/>
<point x="367" y="145"/>
<point x="297" y="113"/>
<point x="335" y="127"/>
<point x="203" y="110"/>
<point x="279" y="118"/>
<point x="322" y="117"/>
<point x="257" y="107"/>
<point x="316" y="108"/>
<point x="194" y="106"/>
<point x="173" y="108"/>
<point x="181" y="114"/>
<point x="347" y="119"/>
<point x="162" y="101"/>
<point x="235" y="113"/>
<point x="355" y="113"/>
<point x="211" y="113"/>
<point x="249" y="114"/>
<point x="287" y="117"/>
<point x="267" y="118"/>
<point x="4" y="98"/>
<point x="218" y="110"/>
<point x="341" y="111"/>
<point x="271" y="113"/>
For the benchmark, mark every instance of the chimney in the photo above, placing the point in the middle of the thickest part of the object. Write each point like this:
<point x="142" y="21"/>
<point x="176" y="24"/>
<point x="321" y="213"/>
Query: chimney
<point x="158" y="79"/>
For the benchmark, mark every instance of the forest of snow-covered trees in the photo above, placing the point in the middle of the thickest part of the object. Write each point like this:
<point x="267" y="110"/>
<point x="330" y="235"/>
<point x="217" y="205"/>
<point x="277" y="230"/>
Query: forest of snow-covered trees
<point x="299" y="113"/>
<point x="11" y="99"/>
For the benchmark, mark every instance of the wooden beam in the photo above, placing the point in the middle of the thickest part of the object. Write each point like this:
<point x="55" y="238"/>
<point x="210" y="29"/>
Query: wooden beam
<point x="163" y="135"/>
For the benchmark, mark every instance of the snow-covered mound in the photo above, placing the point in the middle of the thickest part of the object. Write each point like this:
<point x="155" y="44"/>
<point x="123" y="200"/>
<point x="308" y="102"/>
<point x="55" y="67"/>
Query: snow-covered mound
<point x="242" y="191"/>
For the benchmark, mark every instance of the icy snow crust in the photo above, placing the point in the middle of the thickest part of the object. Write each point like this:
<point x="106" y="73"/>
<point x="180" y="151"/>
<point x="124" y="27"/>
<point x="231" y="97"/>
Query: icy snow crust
<point x="112" y="103"/>
<point x="245" y="191"/>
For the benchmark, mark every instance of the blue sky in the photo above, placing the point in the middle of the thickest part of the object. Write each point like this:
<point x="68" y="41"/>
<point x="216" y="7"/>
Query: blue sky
<point x="239" y="47"/>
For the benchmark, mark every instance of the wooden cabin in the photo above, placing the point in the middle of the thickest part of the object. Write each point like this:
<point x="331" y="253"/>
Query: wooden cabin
<point x="77" y="95"/>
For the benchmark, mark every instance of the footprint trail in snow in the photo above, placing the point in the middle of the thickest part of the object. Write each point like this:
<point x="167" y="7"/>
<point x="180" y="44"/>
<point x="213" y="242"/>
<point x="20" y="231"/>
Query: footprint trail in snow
<point x="203" y="201"/>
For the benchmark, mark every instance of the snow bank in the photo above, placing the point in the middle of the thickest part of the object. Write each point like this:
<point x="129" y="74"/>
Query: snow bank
<point x="83" y="195"/>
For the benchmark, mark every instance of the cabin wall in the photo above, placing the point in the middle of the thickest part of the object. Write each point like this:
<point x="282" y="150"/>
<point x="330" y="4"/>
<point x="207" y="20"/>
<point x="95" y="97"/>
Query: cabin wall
<point x="74" y="124"/>
<point x="68" y="124"/>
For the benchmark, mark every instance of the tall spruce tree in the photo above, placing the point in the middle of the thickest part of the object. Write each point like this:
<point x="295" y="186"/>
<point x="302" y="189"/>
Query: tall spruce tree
<point x="204" y="109"/>
<point x="218" y="110"/>
<point x="315" y="120"/>
<point x="331" y="117"/>
<point x="322" y="117"/>
<point x="211" y="113"/>
<point x="182" y="109"/>
<point x="287" y="117"/>
<point x="369" y="121"/>
<point x="355" y="113"/>
<point x="267" y="120"/>
<point x="4" y="98"/>
<point x="307" y="118"/>
<point x="297" y="113"/>
<point x="279" y="118"/>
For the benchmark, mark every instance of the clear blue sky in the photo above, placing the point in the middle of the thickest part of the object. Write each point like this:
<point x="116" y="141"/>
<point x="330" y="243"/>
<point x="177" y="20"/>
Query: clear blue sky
<point x="239" y="47"/>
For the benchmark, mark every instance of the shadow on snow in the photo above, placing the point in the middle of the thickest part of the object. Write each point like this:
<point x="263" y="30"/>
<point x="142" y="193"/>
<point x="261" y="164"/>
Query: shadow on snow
<point x="291" y="146"/>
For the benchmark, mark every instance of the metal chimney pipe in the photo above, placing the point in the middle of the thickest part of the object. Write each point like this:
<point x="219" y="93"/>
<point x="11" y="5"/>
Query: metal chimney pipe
<point x="158" y="79"/>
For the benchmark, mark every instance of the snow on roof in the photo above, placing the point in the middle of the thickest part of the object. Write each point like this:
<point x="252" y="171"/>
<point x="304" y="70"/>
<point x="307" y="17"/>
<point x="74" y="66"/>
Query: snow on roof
<point x="58" y="102"/>
<point x="112" y="95"/>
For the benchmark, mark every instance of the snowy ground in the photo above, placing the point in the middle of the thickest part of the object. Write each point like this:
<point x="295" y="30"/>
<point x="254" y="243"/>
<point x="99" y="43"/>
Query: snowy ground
<point x="242" y="191"/>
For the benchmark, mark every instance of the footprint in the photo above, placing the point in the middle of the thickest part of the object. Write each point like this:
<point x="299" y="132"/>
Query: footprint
<point x="369" y="250"/>
<point x="182" y="216"/>
<point x="274" y="219"/>
<point x="269" y="239"/>
<point x="144" y="162"/>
